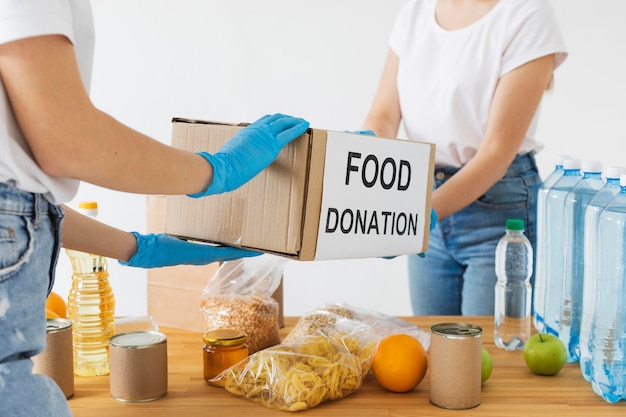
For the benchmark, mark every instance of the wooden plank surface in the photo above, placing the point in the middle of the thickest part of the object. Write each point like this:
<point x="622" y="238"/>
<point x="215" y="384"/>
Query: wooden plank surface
<point x="512" y="389"/>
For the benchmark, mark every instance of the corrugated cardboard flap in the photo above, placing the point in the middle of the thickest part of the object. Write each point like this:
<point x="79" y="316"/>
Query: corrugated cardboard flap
<point x="277" y="193"/>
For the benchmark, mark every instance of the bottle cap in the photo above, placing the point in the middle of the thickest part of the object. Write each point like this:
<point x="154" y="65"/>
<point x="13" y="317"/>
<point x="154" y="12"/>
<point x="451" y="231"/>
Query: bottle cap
<point x="571" y="164"/>
<point x="89" y="208"/>
<point x="515" y="224"/>
<point x="613" y="172"/>
<point x="592" y="166"/>
<point x="560" y="159"/>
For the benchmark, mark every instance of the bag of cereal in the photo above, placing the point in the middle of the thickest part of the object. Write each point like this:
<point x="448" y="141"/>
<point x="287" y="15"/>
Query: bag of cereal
<point x="239" y="296"/>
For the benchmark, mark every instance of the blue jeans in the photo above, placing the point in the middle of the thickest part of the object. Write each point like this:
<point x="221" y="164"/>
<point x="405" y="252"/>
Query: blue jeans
<point x="29" y="246"/>
<point x="457" y="275"/>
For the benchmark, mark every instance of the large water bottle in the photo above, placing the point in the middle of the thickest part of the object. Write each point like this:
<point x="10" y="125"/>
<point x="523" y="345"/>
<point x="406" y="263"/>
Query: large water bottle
<point x="513" y="293"/>
<point x="91" y="307"/>
<point x="555" y="205"/>
<point x="592" y="215"/>
<point x="576" y="203"/>
<point x="608" y="338"/>
<point x="541" y="265"/>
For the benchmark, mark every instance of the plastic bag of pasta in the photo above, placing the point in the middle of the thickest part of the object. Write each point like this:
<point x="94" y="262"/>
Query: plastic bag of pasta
<point x="340" y="316"/>
<point x="238" y="296"/>
<point x="326" y="363"/>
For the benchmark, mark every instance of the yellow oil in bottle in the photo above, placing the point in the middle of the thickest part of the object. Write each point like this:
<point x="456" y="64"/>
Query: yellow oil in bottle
<point x="91" y="307"/>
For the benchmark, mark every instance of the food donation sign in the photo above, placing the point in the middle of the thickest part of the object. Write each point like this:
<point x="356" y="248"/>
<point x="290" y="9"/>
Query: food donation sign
<point x="375" y="198"/>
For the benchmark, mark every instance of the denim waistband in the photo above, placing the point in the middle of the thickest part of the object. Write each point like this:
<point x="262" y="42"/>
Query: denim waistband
<point x="20" y="202"/>
<point x="520" y="164"/>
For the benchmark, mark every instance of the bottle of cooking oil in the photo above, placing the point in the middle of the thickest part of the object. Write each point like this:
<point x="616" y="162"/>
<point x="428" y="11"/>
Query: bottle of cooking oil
<point x="91" y="307"/>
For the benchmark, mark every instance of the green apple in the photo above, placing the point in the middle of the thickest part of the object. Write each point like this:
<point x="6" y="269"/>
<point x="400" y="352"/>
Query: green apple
<point x="545" y="354"/>
<point x="487" y="366"/>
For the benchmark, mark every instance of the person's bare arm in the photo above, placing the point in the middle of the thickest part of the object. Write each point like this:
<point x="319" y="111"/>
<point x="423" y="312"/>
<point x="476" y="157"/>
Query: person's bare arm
<point x="70" y="137"/>
<point x="79" y="230"/>
<point x="385" y="115"/>
<point x="514" y="103"/>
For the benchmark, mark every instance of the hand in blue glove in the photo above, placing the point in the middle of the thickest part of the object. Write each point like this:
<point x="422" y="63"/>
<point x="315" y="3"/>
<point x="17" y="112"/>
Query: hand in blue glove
<point x="250" y="151"/>
<point x="433" y="219"/>
<point x="362" y="132"/>
<point x="157" y="250"/>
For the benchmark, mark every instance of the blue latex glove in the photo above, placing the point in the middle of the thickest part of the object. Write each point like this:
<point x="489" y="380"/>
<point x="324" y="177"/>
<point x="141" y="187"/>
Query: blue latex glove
<point x="362" y="132"/>
<point x="157" y="250"/>
<point x="250" y="151"/>
<point x="433" y="219"/>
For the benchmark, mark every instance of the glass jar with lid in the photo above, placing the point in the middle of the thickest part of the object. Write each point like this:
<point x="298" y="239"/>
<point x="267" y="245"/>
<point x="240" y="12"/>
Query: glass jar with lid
<point x="222" y="349"/>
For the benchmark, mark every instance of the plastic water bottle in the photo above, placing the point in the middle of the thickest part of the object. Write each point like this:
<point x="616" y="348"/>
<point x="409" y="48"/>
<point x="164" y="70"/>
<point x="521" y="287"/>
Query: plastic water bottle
<point x="608" y="338"/>
<point x="91" y="307"/>
<point x="576" y="203"/>
<point x="514" y="266"/>
<point x="592" y="215"/>
<point x="555" y="205"/>
<point x="541" y="265"/>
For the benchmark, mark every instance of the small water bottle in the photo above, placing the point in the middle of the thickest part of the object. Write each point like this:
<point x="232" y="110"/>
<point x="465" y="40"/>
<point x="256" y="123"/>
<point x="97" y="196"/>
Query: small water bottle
<point x="91" y="307"/>
<point x="555" y="205"/>
<point x="575" y="205"/>
<point x="514" y="266"/>
<point x="541" y="265"/>
<point x="590" y="276"/>
<point x="608" y="333"/>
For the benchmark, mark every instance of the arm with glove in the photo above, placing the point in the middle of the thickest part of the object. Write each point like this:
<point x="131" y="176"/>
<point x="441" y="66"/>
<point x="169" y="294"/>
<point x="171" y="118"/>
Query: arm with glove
<point x="239" y="160"/>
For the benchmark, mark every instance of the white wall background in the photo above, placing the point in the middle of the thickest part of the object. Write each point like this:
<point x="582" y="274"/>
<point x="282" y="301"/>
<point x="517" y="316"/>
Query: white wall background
<point x="318" y="59"/>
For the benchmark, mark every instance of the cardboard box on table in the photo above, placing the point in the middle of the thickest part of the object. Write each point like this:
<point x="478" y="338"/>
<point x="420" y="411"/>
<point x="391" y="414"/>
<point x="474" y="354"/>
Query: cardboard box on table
<point x="328" y="195"/>
<point x="174" y="292"/>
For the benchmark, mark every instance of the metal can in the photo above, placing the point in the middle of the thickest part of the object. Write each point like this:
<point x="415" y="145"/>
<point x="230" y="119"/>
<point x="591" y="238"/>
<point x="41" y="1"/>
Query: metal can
<point x="138" y="366"/>
<point x="56" y="360"/>
<point x="223" y="348"/>
<point x="455" y="365"/>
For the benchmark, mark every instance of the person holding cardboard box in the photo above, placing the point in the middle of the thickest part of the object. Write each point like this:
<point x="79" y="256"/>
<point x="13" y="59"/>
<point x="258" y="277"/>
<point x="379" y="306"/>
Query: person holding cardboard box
<point x="469" y="76"/>
<point x="52" y="137"/>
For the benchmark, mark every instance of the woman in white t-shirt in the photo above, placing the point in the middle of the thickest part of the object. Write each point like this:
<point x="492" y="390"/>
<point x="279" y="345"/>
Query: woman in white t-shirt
<point x="469" y="76"/>
<point x="49" y="132"/>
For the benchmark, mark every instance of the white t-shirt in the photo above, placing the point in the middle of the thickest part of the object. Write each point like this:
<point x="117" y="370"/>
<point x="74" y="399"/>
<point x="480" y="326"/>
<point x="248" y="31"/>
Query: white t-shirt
<point x="446" y="79"/>
<point x="21" y="19"/>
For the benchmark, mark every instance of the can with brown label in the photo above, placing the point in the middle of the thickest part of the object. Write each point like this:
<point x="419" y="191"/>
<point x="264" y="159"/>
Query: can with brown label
<point x="56" y="360"/>
<point x="138" y="366"/>
<point x="455" y="365"/>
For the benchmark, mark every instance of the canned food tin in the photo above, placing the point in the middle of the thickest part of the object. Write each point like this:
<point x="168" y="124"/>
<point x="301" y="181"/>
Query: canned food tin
<point x="455" y="365"/>
<point x="56" y="360"/>
<point x="138" y="366"/>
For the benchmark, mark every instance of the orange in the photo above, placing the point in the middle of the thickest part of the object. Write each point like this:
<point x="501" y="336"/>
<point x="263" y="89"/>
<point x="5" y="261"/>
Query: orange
<point x="56" y="304"/>
<point x="51" y="314"/>
<point x="400" y="363"/>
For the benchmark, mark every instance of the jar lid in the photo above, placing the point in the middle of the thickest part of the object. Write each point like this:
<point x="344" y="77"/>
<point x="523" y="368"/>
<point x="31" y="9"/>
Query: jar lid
<point x="224" y="337"/>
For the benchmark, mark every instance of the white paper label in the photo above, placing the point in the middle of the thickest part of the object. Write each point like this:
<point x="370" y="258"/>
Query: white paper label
<point x="374" y="197"/>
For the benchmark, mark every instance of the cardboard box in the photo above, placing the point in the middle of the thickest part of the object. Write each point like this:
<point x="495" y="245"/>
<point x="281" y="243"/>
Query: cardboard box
<point x="174" y="292"/>
<point x="328" y="195"/>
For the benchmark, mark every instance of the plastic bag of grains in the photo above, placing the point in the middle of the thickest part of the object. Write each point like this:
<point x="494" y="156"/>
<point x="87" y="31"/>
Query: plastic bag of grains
<point x="239" y="296"/>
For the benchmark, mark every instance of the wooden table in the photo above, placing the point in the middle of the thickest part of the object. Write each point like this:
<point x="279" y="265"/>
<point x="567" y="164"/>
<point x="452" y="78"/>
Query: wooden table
<point x="512" y="389"/>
